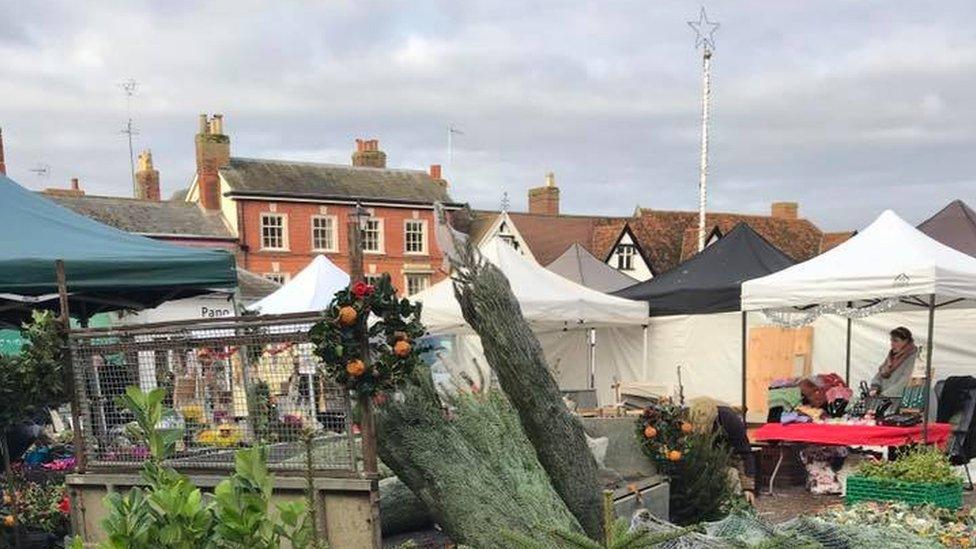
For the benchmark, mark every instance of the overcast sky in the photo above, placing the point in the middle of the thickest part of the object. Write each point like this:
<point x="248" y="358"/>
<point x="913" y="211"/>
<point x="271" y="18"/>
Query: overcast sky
<point x="846" y="107"/>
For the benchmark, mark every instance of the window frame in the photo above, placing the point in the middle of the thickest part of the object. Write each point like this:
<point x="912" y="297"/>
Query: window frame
<point x="334" y="244"/>
<point x="423" y="237"/>
<point x="273" y="276"/>
<point x="284" y="231"/>
<point x="406" y="282"/>
<point x="630" y="255"/>
<point x="380" y="240"/>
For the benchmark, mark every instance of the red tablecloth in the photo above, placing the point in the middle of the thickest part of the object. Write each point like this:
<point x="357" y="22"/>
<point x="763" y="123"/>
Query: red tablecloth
<point x="851" y="435"/>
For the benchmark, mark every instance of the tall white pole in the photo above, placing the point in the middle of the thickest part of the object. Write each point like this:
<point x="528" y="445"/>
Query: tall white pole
<point x="450" y="152"/>
<point x="703" y="166"/>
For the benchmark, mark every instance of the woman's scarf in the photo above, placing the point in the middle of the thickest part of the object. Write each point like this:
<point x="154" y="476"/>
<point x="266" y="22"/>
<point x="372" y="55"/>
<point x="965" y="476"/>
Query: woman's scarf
<point x="895" y="359"/>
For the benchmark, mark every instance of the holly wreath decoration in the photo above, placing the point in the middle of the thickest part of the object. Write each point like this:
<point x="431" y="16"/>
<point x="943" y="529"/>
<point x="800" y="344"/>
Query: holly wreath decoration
<point x="393" y="349"/>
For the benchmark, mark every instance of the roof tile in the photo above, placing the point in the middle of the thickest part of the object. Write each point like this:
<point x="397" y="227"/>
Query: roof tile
<point x="149" y="217"/>
<point x="306" y="179"/>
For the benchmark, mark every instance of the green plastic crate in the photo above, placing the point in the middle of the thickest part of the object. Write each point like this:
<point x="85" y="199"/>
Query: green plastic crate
<point x="870" y="489"/>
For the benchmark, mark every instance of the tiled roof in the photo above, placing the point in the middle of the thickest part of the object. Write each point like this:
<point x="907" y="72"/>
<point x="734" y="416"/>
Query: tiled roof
<point x="669" y="237"/>
<point x="548" y="236"/>
<point x="248" y="176"/>
<point x="831" y="240"/>
<point x="148" y="217"/>
<point x="666" y="237"/>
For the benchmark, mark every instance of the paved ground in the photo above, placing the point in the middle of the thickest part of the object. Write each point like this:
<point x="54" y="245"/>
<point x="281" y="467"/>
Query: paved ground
<point x="788" y="503"/>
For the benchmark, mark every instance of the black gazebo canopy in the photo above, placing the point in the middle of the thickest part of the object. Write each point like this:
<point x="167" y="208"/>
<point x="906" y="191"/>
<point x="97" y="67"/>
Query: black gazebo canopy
<point x="711" y="281"/>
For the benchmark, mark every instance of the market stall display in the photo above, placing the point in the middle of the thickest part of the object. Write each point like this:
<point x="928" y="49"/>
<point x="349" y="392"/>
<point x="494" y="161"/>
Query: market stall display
<point x="888" y="264"/>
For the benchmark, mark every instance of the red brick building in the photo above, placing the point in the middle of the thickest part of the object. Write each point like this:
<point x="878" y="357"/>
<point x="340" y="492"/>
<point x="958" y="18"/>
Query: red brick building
<point x="285" y="213"/>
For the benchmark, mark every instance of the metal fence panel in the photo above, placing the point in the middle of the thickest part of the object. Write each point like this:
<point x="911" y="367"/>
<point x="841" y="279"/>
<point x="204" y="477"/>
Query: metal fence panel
<point x="229" y="383"/>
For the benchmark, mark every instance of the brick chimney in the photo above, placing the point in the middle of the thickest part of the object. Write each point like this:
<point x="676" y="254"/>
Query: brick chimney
<point x="147" y="178"/>
<point x="785" y="210"/>
<point x="213" y="153"/>
<point x="436" y="175"/>
<point x="368" y="154"/>
<point x="3" y="165"/>
<point x="74" y="190"/>
<point x="545" y="200"/>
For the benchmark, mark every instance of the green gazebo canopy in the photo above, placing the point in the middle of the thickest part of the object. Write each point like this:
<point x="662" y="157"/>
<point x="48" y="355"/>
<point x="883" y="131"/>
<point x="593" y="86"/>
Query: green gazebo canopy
<point x="106" y="268"/>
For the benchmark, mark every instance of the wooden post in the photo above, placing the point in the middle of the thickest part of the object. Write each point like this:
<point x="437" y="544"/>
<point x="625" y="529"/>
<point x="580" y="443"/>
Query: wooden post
<point x="79" y="443"/>
<point x="367" y="424"/>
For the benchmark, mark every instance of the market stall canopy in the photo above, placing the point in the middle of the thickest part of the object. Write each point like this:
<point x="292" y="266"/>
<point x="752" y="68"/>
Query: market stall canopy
<point x="106" y="268"/>
<point x="582" y="267"/>
<point x="311" y="290"/>
<point x="954" y="226"/>
<point x="888" y="259"/>
<point x="548" y="301"/>
<point x="711" y="281"/>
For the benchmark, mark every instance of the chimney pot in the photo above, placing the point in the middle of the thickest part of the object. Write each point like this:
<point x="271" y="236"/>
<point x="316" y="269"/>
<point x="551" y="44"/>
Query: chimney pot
<point x="368" y="154"/>
<point x="435" y="171"/>
<point x="204" y="125"/>
<point x="218" y="124"/>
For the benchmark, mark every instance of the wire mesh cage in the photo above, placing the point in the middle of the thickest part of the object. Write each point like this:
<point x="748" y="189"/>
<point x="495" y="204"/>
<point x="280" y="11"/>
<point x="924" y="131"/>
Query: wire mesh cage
<point x="229" y="383"/>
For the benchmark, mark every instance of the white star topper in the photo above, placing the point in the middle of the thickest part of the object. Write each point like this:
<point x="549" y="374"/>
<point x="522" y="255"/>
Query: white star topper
<point x="704" y="31"/>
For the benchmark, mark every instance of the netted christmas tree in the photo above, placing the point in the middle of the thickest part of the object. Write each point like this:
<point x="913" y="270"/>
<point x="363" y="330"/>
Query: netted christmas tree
<point x="469" y="463"/>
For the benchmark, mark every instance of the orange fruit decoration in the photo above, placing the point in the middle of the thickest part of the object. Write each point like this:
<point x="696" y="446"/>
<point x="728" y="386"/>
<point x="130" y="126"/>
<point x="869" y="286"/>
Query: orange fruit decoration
<point x="7" y="500"/>
<point x="401" y="348"/>
<point x="347" y="316"/>
<point x="687" y="428"/>
<point x="650" y="431"/>
<point x="8" y="520"/>
<point x="674" y="455"/>
<point x="355" y="368"/>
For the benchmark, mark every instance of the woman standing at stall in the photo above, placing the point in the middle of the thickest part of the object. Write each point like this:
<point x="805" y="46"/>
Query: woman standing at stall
<point x="896" y="370"/>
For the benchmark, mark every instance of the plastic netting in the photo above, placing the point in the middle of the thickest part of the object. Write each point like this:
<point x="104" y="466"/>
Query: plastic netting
<point x="742" y="530"/>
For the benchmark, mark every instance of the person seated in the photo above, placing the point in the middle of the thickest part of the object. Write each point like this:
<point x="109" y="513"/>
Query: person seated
<point x="896" y="370"/>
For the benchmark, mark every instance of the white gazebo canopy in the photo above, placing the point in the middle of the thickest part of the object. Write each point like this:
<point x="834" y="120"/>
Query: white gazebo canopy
<point x="548" y="301"/>
<point x="888" y="259"/>
<point x="311" y="290"/>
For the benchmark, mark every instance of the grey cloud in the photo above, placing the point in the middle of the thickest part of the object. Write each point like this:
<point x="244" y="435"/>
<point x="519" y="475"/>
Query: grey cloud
<point x="849" y="108"/>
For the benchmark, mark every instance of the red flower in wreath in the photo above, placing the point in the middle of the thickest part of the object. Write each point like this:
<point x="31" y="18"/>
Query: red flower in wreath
<point x="361" y="289"/>
<point x="65" y="505"/>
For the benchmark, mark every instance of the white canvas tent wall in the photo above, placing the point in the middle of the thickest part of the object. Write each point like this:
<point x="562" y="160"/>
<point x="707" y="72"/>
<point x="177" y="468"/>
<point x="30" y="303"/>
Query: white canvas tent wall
<point x="889" y="259"/>
<point x="561" y="314"/>
<point x="310" y="290"/>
